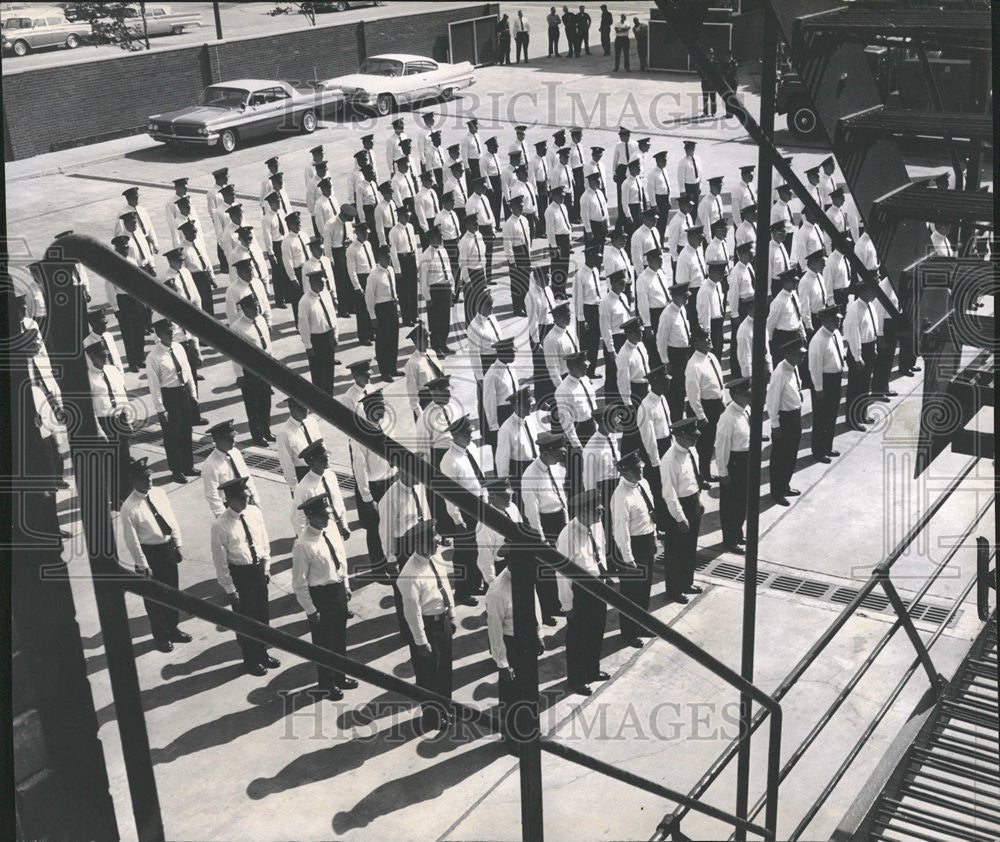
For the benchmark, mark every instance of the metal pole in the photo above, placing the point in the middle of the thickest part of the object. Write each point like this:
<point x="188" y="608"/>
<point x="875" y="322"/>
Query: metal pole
<point x="67" y="329"/>
<point x="911" y="631"/>
<point x="218" y="20"/>
<point x="527" y="733"/>
<point x="758" y="386"/>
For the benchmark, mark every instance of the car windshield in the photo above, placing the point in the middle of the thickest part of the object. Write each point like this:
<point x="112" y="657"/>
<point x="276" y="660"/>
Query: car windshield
<point x="219" y="97"/>
<point x="382" y="67"/>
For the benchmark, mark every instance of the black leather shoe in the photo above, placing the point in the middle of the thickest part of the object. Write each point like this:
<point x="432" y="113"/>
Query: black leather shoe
<point x="792" y="492"/>
<point x="765" y="438"/>
<point x="736" y="549"/>
<point x="179" y="478"/>
<point x="178" y="636"/>
<point x="694" y="589"/>
<point x="200" y="422"/>
<point x="255" y="669"/>
<point x="332" y="694"/>
<point x="582" y="690"/>
<point x="712" y="478"/>
<point x="270" y="663"/>
<point x="678" y="597"/>
<point x="600" y="676"/>
<point x="471" y="601"/>
<point x="892" y="394"/>
<point x="270" y="436"/>
<point x="260" y="441"/>
<point x="867" y="420"/>
<point x="194" y="472"/>
<point x="705" y="485"/>
<point x="164" y="646"/>
<point x="347" y="683"/>
<point x="834" y="453"/>
<point x="780" y="500"/>
<point x="549" y="621"/>
<point x="914" y="369"/>
<point x="826" y="460"/>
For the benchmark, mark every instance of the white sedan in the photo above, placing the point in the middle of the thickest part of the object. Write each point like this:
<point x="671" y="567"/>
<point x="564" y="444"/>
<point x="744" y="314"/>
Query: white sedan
<point x="388" y="81"/>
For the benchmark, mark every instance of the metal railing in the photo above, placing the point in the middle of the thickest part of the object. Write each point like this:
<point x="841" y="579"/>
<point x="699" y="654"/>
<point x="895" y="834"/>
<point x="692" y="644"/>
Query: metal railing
<point x="66" y="322"/>
<point x="879" y="577"/>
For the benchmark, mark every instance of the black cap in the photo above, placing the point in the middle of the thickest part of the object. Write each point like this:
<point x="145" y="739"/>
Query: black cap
<point x="793" y="347"/>
<point x="234" y="485"/>
<point x="630" y="460"/>
<point x="314" y="504"/>
<point x="686" y="426"/>
<point x="223" y="428"/>
<point x="312" y="450"/>
<point x="739" y="385"/>
<point x="139" y="467"/>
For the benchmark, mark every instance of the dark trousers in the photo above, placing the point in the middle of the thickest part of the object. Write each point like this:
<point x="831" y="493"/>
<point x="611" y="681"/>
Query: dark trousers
<point x="649" y="338"/>
<point x="652" y="474"/>
<point x="193" y="355"/>
<point x="433" y="672"/>
<point x="177" y="432"/>
<point x="369" y="519"/>
<point x="473" y="169"/>
<point x="520" y="271"/>
<point x="293" y="291"/>
<point x="678" y="360"/>
<point x="716" y="332"/>
<point x="621" y="50"/>
<point x="361" y="317"/>
<point x="256" y="394"/>
<point x="387" y="338"/>
<point x="706" y="442"/>
<point x="682" y="547"/>
<point x="118" y="431"/>
<point x="598" y="236"/>
<point x="282" y="283"/>
<point x="590" y="334"/>
<point x="886" y="353"/>
<point x="407" y="281"/>
<point x="495" y="195"/>
<point x="509" y="690"/>
<point x="606" y="41"/>
<point x="578" y="188"/>
<point x="826" y="405"/>
<point x="521" y="45"/>
<point x="439" y="316"/>
<point x="489" y="241"/>
<point x="708" y="101"/>
<point x="131" y="321"/>
<point x="785" y="449"/>
<point x="636" y="582"/>
<point x="583" y="39"/>
<point x="468" y="576"/>
<point x="642" y="50"/>
<point x="223" y="263"/>
<point x="330" y="631"/>
<point x="859" y="383"/>
<point x="162" y="560"/>
<point x="662" y="214"/>
<point x="544" y="388"/>
<point x="585" y="637"/>
<point x="553" y="40"/>
<point x="203" y="283"/>
<point x="251" y="588"/>
<point x="321" y="360"/>
<point x="733" y="498"/>
<point x="560" y="264"/>
<point x="545" y="585"/>
<point x="474" y="292"/>
<point x="611" y="368"/>
<point x="541" y="190"/>
<point x="341" y="281"/>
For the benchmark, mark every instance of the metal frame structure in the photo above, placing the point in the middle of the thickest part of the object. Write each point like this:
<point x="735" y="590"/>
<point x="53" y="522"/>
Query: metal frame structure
<point x="67" y="319"/>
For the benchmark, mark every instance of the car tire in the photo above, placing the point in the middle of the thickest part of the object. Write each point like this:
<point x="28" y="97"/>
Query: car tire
<point x="228" y="141"/>
<point x="385" y="104"/>
<point x="177" y="30"/>
<point x="343" y="6"/>
<point x="72" y="41"/>
<point x="21" y="48"/>
<point x="802" y="120"/>
<point x="308" y="122"/>
<point x="447" y="94"/>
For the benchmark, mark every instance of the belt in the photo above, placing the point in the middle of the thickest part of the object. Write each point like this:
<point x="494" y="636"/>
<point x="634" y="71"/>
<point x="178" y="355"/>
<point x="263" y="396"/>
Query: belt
<point x="435" y="618"/>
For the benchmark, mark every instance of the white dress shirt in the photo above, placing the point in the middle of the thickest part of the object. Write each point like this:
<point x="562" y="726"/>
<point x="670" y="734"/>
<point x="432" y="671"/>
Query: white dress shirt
<point x="860" y="326"/>
<point x="398" y="510"/>
<point x="678" y="479"/>
<point x="631" y="515"/>
<point x="653" y="422"/>
<point x="575" y="399"/>
<point x="673" y="330"/>
<point x="316" y="315"/>
<point x="313" y="563"/>
<point x="256" y="332"/>
<point x="557" y="344"/>
<point x="702" y="379"/>
<point x="585" y="546"/>
<point x="813" y="296"/>
<point x="600" y="458"/>
<point x="139" y="524"/>
<point x="710" y="304"/>
<point x="593" y="207"/>
<point x="741" y="286"/>
<point x="230" y="546"/>
<point x="614" y="312"/>
<point x="731" y="435"/>
<point x="312" y="485"/>
<point x="644" y="239"/>
<point x="632" y="364"/>
<point x="827" y="355"/>
<point x="500" y="616"/>
<point x="744" y="347"/>
<point x="488" y="544"/>
<point x="689" y="170"/>
<point x="651" y="291"/>
<point x="499" y="383"/>
<point x="418" y="370"/>
<point x="785" y="313"/>
<point x="691" y="267"/>
<point x="167" y="367"/>
<point x="543" y="489"/>
<point x="367" y="467"/>
<point x="292" y="438"/>
<point x="220" y="467"/>
<point x="516" y="440"/>
<point x="457" y="464"/>
<point x="360" y="259"/>
<point x="784" y="391"/>
<point x="424" y="588"/>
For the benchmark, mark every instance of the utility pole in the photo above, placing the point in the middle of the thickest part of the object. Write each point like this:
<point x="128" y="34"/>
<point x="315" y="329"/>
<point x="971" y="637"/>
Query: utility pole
<point x="218" y="19"/>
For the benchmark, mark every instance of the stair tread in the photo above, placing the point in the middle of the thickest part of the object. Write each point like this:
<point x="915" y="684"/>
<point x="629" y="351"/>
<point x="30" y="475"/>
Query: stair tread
<point x="885" y="120"/>
<point x="918" y="201"/>
<point x="936" y="26"/>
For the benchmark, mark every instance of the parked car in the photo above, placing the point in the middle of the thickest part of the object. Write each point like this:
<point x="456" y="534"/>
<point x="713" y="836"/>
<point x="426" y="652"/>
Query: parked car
<point x="388" y="81"/>
<point x="344" y="5"/>
<point x="160" y="20"/>
<point x="36" y="28"/>
<point x="230" y="113"/>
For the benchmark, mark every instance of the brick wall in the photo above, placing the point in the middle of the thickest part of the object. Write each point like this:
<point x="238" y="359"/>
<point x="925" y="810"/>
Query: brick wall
<point x="58" y="107"/>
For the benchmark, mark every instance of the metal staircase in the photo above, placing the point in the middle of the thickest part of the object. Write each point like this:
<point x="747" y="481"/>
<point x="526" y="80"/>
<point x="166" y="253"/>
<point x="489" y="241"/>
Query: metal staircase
<point x="881" y="120"/>
<point x="947" y="787"/>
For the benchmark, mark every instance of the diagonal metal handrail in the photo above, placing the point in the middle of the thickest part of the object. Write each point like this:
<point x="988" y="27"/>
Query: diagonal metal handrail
<point x="160" y="298"/>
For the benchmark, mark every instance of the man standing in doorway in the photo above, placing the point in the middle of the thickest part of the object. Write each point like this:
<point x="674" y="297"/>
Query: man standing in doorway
<point x="522" y="35"/>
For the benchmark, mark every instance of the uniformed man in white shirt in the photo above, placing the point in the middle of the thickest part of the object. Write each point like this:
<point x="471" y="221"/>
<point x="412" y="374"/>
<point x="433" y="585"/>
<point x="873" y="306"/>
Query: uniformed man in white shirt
<point x="658" y="191"/>
<point x="244" y="283"/>
<point x="633" y="520"/>
<point x="175" y="399"/>
<point x="827" y="364"/>
<point x="576" y="403"/>
<point x="436" y="282"/>
<point x="153" y="536"/>
<point x="861" y="336"/>
<point x="625" y="150"/>
<point x="139" y="245"/>
<point x="732" y="445"/>
<point x="241" y="553"/>
<point x="632" y="365"/>
<point x="587" y="294"/>
<point x="255" y="390"/>
<point x="595" y="166"/>
<point x="784" y="408"/>
<point x="682" y="494"/>
<point x="360" y="260"/>
<point x="297" y="432"/>
<point x="594" y="214"/>
<point x="460" y="464"/>
<point x="711" y="305"/>
<point x="710" y="208"/>
<point x="498" y="384"/>
<point x="517" y="251"/>
<point x="427" y="205"/>
<point x="653" y="423"/>
<point x="429" y="610"/>
<point x="704" y="389"/>
<point x="322" y="588"/>
<point x="673" y="342"/>
<point x="517" y="438"/>
<point x="213" y="197"/>
<point x="583" y="540"/>
<point x="826" y="183"/>
<point x="111" y="408"/>
<point x="392" y="145"/>
<point x="313" y="194"/>
<point x="403" y="252"/>
<point x="175" y="216"/>
<point x="422" y="367"/>
<point x="273" y="167"/>
<point x="635" y="201"/>
<point x="294" y="254"/>
<point x="538" y="168"/>
<point x="382" y="300"/>
<point x="319" y="479"/>
<point x="448" y="224"/>
<point x="784" y="320"/>
<point x="224" y="463"/>
<point x="746" y="232"/>
<point x="744" y="348"/>
<point x="491" y="547"/>
<point x="456" y="184"/>
<point x="743" y="194"/>
<point x="508" y="177"/>
<point x="372" y="475"/>
<point x="433" y="158"/>
<point x="524" y="186"/>
<point x="781" y="212"/>
<point x="812" y="291"/>
<point x="98" y="323"/>
<point x="404" y="184"/>
<point x="317" y="324"/>
<point x="558" y="232"/>
<point x="691" y="268"/>
<point x="472" y="149"/>
<point x="778" y="261"/>
<point x="614" y="310"/>
<point x="645" y="238"/>
<point x="689" y="170"/>
<point x="558" y="343"/>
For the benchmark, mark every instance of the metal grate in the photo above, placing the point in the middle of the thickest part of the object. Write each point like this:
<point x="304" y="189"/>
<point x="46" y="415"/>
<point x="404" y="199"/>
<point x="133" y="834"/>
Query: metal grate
<point x="823" y="591"/>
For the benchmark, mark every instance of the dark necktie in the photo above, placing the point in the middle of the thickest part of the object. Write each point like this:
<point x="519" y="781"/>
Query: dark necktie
<point x="531" y="441"/>
<point x="409" y="239"/>
<point x="715" y="370"/>
<point x="50" y="397"/>
<point x="596" y="551"/>
<point x="684" y="324"/>
<point x="444" y="593"/>
<point x="795" y="304"/>
<point x="161" y="522"/>
<point x="107" y="347"/>
<point x="587" y="395"/>
<point x="836" y="347"/>
<point x="333" y="553"/>
<point x="694" y="164"/>
<point x="694" y="467"/>
<point x="281" y="226"/>
<point x="232" y="466"/>
<point x="871" y="316"/>
<point x="416" y="502"/>
<point x="475" y="467"/>
<point x="177" y="366"/>
<point x="555" y="486"/>
<point x="305" y="432"/>
<point x="260" y="334"/>
<point x="614" y="451"/>
<point x="111" y="393"/>
<point x="390" y="277"/>
<point x="645" y="498"/>
<point x="434" y="367"/>
<point x="246" y="531"/>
